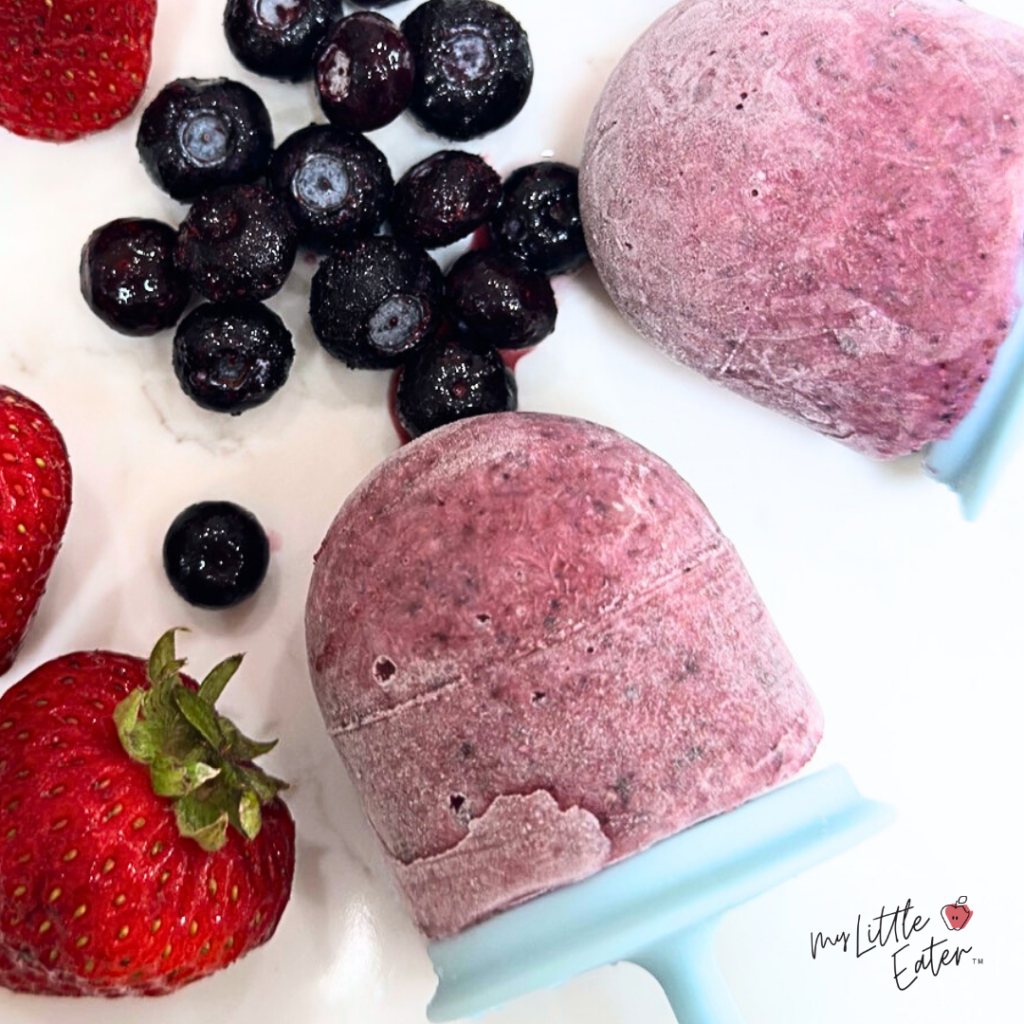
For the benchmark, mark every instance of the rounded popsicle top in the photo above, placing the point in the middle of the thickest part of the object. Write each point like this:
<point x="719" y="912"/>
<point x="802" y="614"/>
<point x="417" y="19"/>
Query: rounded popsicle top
<point x="537" y="654"/>
<point x="818" y="203"/>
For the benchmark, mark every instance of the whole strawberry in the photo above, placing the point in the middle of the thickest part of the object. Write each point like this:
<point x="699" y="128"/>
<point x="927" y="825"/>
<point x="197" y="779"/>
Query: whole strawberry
<point x="35" y="499"/>
<point x="140" y="848"/>
<point x="72" y="67"/>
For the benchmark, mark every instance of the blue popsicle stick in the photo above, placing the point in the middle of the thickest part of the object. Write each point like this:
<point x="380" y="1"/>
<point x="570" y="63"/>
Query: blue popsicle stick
<point x="973" y="458"/>
<point x="659" y="908"/>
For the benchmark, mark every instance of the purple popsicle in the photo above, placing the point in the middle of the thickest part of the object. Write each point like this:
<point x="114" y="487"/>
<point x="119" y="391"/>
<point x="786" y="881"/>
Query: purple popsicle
<point x="537" y="654"/>
<point x="818" y="203"/>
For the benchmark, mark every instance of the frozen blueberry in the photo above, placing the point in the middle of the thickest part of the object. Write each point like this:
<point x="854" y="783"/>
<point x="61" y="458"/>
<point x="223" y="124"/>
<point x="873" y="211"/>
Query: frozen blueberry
<point x="198" y="134"/>
<point x="474" y="69"/>
<point x="444" y="198"/>
<point x="278" y="37"/>
<point x="449" y="380"/>
<point x="538" y="221"/>
<point x="129" y="277"/>
<point x="500" y="301"/>
<point x="232" y="356"/>
<point x="376" y="300"/>
<point x="336" y="184"/>
<point x="364" y="73"/>
<point x="216" y="554"/>
<point x="237" y="243"/>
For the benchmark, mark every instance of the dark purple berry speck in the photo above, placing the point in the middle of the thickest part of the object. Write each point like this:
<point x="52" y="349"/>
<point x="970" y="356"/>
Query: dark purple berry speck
<point x="444" y="198"/>
<point x="500" y="301"/>
<point x="364" y="73"/>
<point x="232" y="356"/>
<point x="216" y="554"/>
<point x="278" y="37"/>
<point x="238" y="242"/>
<point x="474" y="69"/>
<point x="452" y="379"/>
<point x="374" y="301"/>
<point x="539" y="219"/>
<point x="199" y="134"/>
<point x="129" y="277"/>
<point x="336" y="184"/>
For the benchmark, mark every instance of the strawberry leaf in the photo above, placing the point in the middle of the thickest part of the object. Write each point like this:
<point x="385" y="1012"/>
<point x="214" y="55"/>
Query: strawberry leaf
<point x="204" y="821"/>
<point x="241" y="747"/>
<point x="213" y="685"/>
<point x="173" y="779"/>
<point x="200" y="716"/>
<point x="250" y="817"/>
<point x="163" y="662"/>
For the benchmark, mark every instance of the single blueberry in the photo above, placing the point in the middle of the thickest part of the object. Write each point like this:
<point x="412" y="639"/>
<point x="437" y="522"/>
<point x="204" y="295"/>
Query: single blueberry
<point x="232" y="356"/>
<point x="216" y="554"/>
<point x="129" y="277"/>
<point x="474" y="68"/>
<point x="452" y="379"/>
<point x="199" y="134"/>
<point x="336" y="184"/>
<point x="539" y="220"/>
<point x="444" y="198"/>
<point x="374" y="301"/>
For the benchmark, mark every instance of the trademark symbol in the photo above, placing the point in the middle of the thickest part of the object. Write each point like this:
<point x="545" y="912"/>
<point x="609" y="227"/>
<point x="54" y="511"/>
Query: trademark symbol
<point x="978" y="959"/>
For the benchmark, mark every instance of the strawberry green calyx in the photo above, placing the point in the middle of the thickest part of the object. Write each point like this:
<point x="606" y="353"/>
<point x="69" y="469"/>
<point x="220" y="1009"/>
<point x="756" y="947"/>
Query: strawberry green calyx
<point x="196" y="757"/>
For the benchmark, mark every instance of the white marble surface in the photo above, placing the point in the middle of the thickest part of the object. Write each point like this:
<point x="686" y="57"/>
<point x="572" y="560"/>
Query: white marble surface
<point x="904" y="618"/>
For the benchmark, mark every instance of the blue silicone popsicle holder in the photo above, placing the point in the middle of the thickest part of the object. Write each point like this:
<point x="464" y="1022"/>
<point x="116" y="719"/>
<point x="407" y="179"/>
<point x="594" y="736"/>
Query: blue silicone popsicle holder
<point x="973" y="458"/>
<point x="659" y="908"/>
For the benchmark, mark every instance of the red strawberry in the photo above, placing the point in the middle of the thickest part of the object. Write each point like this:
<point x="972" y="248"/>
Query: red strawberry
<point x="72" y="67"/>
<point x="106" y="888"/>
<point x="35" y="499"/>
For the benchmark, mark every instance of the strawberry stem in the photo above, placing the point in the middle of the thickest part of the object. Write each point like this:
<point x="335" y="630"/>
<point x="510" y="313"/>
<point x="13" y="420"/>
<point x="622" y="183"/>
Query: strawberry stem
<point x="197" y="758"/>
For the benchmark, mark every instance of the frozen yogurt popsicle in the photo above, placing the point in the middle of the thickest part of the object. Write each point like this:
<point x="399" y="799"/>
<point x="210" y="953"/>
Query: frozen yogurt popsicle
<point x="537" y="655"/>
<point x="819" y="203"/>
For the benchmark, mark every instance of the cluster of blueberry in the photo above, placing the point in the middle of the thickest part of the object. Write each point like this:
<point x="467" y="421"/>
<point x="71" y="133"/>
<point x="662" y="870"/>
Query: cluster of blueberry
<point x="462" y="68"/>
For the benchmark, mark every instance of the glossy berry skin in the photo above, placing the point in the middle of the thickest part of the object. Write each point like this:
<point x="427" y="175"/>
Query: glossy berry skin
<point x="100" y="895"/>
<point x="129" y="278"/>
<point x="452" y="379"/>
<point x="444" y="198"/>
<point x="336" y="184"/>
<point x="374" y="301"/>
<point x="199" y="134"/>
<point x="216" y="554"/>
<point x="98" y="53"/>
<point x="278" y="38"/>
<point x="232" y="356"/>
<point x="539" y="219"/>
<point x="474" y="69"/>
<point x="35" y="501"/>
<point x="364" y="73"/>
<point x="500" y="301"/>
<point x="238" y="242"/>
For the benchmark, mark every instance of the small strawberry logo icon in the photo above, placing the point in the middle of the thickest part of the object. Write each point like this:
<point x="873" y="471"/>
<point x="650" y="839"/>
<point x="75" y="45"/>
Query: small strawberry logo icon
<point x="956" y="915"/>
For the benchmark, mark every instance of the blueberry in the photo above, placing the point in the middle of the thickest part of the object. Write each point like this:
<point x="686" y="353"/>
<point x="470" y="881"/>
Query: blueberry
<point x="376" y="300"/>
<point x="474" y="69"/>
<point x="336" y="184"/>
<point x="237" y="243"/>
<point x="444" y="198"/>
<point x="278" y="37"/>
<point x="539" y="218"/>
<point x="364" y="73"/>
<point x="452" y="379"/>
<point x="216" y="554"/>
<point x="232" y="356"/>
<point x="129" y="277"/>
<point x="500" y="301"/>
<point x="199" y="134"/>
